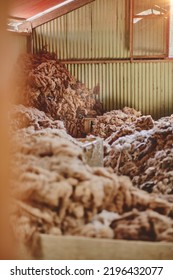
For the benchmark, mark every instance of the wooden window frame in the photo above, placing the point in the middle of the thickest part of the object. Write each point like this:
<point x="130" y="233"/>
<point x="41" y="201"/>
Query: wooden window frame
<point x="148" y="57"/>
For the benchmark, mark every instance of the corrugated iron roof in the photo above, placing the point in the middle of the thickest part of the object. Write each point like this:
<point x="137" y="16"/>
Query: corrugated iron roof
<point x="22" y="9"/>
<point x="26" y="15"/>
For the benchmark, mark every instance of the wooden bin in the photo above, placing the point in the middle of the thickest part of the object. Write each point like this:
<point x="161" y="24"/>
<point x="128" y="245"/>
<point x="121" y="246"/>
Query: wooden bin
<point x="88" y="123"/>
<point x="81" y="248"/>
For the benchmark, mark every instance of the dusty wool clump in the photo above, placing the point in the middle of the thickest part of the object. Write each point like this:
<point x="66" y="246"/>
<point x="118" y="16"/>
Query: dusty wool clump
<point x="144" y="156"/>
<point x="44" y="83"/>
<point x="117" y="123"/>
<point x="22" y="117"/>
<point x="56" y="192"/>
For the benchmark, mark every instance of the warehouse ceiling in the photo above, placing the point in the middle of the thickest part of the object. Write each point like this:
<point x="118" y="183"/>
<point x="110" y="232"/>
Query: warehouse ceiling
<point x="26" y="15"/>
<point x="23" y="9"/>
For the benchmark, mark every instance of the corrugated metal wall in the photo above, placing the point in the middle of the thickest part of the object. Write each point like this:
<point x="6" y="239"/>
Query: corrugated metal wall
<point x="97" y="30"/>
<point x="144" y="86"/>
<point x="149" y="33"/>
<point x="101" y="30"/>
<point x="146" y="29"/>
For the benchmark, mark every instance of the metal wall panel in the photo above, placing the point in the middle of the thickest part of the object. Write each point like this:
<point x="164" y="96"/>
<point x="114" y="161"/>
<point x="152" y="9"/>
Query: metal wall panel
<point x="149" y="37"/>
<point x="144" y="86"/>
<point x="97" y="30"/>
<point x="68" y="36"/>
<point x="150" y="32"/>
<point x="109" y="29"/>
<point x="101" y="30"/>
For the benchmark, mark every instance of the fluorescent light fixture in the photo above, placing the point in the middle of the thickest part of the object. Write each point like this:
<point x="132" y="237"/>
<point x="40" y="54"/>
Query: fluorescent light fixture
<point x="50" y="10"/>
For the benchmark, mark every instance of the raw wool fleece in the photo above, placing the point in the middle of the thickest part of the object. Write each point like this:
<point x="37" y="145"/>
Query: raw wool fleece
<point x="55" y="192"/>
<point x="23" y="117"/>
<point x="121" y="122"/>
<point x="134" y="225"/>
<point x="44" y="83"/>
<point x="144" y="156"/>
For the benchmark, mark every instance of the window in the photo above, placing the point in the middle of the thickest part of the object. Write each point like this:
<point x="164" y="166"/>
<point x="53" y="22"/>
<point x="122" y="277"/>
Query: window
<point x="149" y="30"/>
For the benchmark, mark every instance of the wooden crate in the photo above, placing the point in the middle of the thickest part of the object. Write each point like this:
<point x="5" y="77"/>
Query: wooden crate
<point x="88" y="122"/>
<point x="81" y="248"/>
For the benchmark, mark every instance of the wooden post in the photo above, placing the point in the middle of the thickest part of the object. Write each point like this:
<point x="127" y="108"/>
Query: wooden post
<point x="6" y="53"/>
<point x="131" y="30"/>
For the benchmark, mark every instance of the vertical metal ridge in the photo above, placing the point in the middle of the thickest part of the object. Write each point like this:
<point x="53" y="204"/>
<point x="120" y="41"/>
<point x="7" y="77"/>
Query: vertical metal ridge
<point x="144" y="86"/>
<point x="98" y="31"/>
<point x="85" y="34"/>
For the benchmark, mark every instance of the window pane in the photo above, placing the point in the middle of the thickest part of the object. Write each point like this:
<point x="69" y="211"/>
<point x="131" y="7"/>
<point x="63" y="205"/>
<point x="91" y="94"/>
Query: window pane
<point x="151" y="7"/>
<point x="149" y="37"/>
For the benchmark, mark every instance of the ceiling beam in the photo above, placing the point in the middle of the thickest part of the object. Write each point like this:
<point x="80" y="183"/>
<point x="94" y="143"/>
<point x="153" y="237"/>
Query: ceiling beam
<point x="16" y="19"/>
<point x="25" y="27"/>
<point x="58" y="12"/>
<point x="16" y="33"/>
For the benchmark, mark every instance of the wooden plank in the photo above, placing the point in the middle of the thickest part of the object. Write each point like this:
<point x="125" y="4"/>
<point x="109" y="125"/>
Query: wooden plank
<point x="131" y="30"/>
<point x="15" y="33"/>
<point x="168" y="31"/>
<point x="29" y="44"/>
<point x="81" y="248"/>
<point x="149" y="16"/>
<point x="25" y="27"/>
<point x="56" y="13"/>
<point x="93" y="61"/>
<point x="107" y="61"/>
<point x="27" y="9"/>
<point x="88" y="124"/>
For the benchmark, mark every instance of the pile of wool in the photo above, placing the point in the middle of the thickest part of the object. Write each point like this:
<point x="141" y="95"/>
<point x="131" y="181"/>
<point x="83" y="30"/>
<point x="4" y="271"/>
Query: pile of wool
<point x="44" y="83"/>
<point x="144" y="156"/>
<point x="120" y="123"/>
<point x="55" y="192"/>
